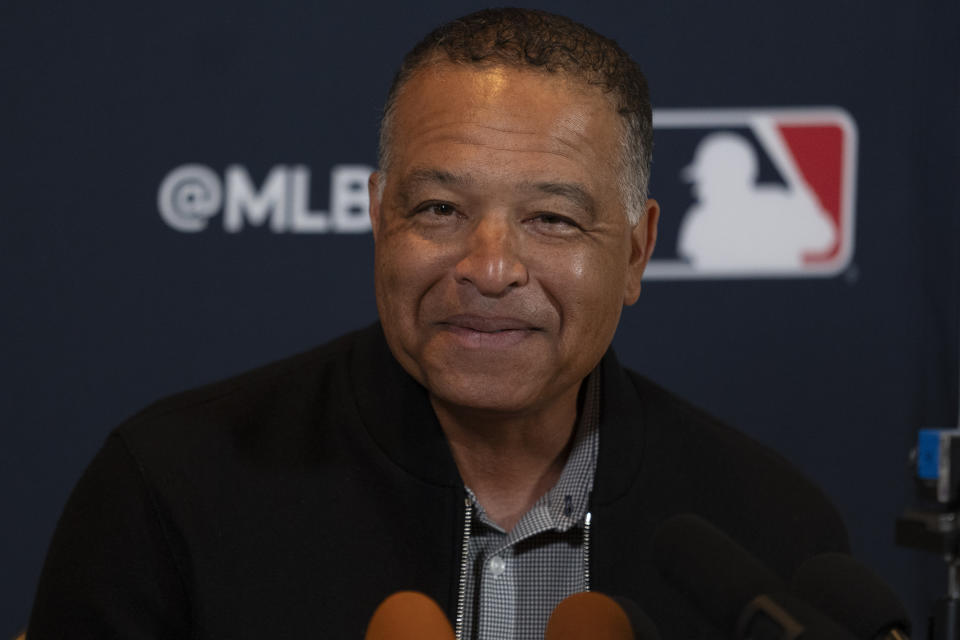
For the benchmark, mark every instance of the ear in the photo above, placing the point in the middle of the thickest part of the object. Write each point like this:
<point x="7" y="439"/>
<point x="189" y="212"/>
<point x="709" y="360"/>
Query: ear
<point x="375" y="193"/>
<point x="643" y="237"/>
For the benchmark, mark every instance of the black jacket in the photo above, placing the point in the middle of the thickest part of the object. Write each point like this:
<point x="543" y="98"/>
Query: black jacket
<point x="289" y="501"/>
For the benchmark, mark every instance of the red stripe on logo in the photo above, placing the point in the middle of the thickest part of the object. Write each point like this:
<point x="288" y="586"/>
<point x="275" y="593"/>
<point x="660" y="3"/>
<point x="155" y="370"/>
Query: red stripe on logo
<point x="818" y="152"/>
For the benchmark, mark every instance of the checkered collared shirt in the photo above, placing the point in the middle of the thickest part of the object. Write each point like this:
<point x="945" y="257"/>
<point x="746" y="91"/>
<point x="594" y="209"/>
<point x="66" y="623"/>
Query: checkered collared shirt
<point x="515" y="579"/>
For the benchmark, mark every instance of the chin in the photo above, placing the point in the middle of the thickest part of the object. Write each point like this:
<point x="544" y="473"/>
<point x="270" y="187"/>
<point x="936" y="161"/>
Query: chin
<point x="494" y="393"/>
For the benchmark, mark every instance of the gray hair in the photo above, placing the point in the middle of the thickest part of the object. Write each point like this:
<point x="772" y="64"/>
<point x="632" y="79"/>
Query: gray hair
<point x="528" y="38"/>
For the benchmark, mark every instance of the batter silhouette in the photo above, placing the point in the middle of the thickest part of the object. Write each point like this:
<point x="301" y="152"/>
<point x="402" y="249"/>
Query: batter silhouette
<point x="736" y="223"/>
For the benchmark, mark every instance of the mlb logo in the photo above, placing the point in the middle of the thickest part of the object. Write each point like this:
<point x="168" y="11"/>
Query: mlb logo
<point x="753" y="192"/>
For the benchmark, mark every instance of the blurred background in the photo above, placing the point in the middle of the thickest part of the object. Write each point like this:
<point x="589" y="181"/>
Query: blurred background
<point x="184" y="198"/>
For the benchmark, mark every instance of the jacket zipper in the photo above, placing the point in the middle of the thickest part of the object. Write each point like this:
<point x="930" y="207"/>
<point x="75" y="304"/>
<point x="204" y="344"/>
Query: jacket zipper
<point x="586" y="551"/>
<point x="465" y="558"/>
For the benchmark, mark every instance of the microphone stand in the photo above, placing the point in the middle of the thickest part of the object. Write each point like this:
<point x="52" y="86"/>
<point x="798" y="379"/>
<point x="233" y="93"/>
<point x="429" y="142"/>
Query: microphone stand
<point x="937" y="532"/>
<point x="935" y="527"/>
<point x="945" y="622"/>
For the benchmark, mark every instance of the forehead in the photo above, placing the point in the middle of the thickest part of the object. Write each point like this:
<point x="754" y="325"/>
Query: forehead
<point x="503" y="114"/>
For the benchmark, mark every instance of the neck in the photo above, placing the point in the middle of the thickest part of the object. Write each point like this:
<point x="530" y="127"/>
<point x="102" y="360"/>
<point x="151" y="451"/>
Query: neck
<point x="509" y="460"/>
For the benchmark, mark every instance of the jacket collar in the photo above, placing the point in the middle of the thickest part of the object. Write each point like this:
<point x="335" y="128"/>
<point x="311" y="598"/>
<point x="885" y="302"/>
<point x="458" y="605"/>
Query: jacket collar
<point x="622" y="432"/>
<point x="397" y="414"/>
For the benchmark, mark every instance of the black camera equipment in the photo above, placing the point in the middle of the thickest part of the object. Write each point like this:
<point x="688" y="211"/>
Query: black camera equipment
<point x="934" y="523"/>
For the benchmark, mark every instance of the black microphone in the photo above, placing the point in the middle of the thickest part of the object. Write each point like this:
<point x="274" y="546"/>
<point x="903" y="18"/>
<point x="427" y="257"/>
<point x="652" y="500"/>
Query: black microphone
<point x="643" y="626"/>
<point x="733" y="589"/>
<point x="590" y="615"/>
<point x="712" y="570"/>
<point x="853" y="595"/>
<point x="784" y="616"/>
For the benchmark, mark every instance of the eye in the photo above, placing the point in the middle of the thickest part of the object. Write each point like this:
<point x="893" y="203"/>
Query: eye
<point x="555" y="223"/>
<point x="440" y="209"/>
<point x="552" y="218"/>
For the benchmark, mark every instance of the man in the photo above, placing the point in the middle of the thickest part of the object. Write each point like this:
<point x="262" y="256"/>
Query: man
<point x="482" y="444"/>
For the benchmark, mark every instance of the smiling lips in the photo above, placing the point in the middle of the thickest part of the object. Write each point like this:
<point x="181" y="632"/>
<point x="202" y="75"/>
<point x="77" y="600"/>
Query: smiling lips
<point x="488" y="332"/>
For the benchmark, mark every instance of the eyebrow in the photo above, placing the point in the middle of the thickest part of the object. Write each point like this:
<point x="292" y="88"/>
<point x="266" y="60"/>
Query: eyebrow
<point x="427" y="176"/>
<point x="572" y="191"/>
<point x="419" y="176"/>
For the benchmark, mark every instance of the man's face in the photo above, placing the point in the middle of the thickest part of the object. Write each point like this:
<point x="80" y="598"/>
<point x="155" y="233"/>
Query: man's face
<point x="503" y="251"/>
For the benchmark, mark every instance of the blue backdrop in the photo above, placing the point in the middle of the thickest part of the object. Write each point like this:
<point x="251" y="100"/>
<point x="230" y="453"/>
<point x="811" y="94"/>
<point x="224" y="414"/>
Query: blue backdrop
<point x="180" y="204"/>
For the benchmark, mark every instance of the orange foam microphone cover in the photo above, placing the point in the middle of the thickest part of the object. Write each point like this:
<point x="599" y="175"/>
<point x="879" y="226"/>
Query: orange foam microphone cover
<point x="409" y="615"/>
<point x="589" y="615"/>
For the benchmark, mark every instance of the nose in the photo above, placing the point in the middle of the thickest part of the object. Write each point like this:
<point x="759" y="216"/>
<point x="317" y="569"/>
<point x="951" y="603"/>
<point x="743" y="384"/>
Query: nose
<point x="492" y="262"/>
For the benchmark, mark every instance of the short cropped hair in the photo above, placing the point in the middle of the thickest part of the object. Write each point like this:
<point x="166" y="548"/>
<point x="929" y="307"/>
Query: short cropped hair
<point x="528" y="38"/>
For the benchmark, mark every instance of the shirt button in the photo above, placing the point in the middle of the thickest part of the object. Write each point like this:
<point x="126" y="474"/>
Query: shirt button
<point x="497" y="566"/>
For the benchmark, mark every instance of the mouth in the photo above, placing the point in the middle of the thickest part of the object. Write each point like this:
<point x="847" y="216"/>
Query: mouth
<point x="488" y="324"/>
<point x="488" y="332"/>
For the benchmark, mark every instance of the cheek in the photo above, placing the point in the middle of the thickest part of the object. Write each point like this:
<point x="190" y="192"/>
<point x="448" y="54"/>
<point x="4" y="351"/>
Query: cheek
<point x="578" y="268"/>
<point x="406" y="269"/>
<point x="587" y="285"/>
<point x="588" y="276"/>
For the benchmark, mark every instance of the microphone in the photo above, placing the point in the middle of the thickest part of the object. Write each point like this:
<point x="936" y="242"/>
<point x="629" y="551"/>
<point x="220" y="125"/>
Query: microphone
<point x="594" y="616"/>
<point x="713" y="571"/>
<point x="643" y="626"/>
<point x="733" y="589"/>
<point x="853" y="595"/>
<point x="409" y="615"/>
